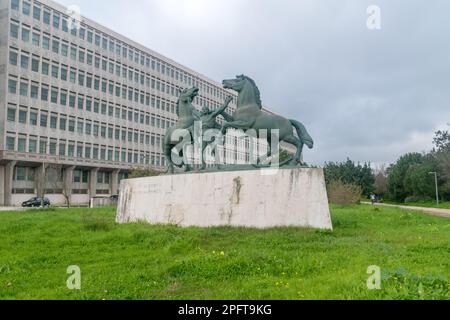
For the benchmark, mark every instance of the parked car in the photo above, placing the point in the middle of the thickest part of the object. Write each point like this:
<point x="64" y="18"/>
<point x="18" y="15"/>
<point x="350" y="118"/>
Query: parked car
<point x="36" y="202"/>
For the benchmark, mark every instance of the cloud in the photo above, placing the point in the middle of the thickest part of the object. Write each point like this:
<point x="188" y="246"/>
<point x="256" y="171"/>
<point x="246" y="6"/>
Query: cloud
<point x="367" y="95"/>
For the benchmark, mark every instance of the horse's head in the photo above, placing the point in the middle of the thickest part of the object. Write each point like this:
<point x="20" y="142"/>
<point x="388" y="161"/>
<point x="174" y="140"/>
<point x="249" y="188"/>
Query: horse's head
<point x="246" y="88"/>
<point x="188" y="95"/>
<point x="235" y="84"/>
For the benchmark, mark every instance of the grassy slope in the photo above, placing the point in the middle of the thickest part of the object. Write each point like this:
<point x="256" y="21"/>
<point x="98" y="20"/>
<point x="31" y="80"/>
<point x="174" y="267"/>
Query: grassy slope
<point x="165" y="262"/>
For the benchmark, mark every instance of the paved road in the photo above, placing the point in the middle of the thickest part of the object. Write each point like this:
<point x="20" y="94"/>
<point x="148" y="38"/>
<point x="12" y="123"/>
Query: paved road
<point x="433" y="211"/>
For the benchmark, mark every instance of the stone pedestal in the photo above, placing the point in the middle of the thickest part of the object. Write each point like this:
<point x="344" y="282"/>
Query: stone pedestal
<point x="256" y="199"/>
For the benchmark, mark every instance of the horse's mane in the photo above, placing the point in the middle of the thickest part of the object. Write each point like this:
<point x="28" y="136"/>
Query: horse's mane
<point x="257" y="92"/>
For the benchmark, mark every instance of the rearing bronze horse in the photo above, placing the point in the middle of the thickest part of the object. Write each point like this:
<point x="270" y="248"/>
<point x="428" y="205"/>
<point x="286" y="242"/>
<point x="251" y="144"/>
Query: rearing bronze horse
<point x="249" y="115"/>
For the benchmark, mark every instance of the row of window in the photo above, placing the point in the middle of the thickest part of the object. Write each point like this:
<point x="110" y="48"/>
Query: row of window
<point x="79" y="176"/>
<point x="61" y="147"/>
<point x="34" y="90"/>
<point x="81" y="126"/>
<point x="101" y="41"/>
<point x="78" y="77"/>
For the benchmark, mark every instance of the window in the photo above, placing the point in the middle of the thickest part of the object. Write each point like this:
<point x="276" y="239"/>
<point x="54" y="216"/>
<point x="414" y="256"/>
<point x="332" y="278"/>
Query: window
<point x="23" y="89"/>
<point x="54" y="95"/>
<point x="71" y="150"/>
<point x="89" y="36"/>
<point x="72" y="125"/>
<point x="43" y="147"/>
<point x="33" y="118"/>
<point x="36" y="39"/>
<point x="56" y="20"/>
<point x="55" y="46"/>
<point x="14" y="31"/>
<point x="23" y="116"/>
<point x="73" y="53"/>
<point x="35" y="64"/>
<point x="11" y="114"/>
<point x="97" y="40"/>
<point x="55" y="71"/>
<point x="52" y="148"/>
<point x="53" y="121"/>
<point x="46" y="17"/>
<point x="25" y="35"/>
<point x="82" y="33"/>
<point x="21" y="144"/>
<point x="45" y="67"/>
<point x="32" y="146"/>
<point x="34" y="91"/>
<point x="63" y="98"/>
<point x="44" y="93"/>
<point x="80" y="103"/>
<point x="62" y="149"/>
<point x="24" y="62"/>
<point x="64" y="73"/>
<point x="21" y="174"/>
<point x="15" y="4"/>
<point x="37" y="13"/>
<point x="80" y="126"/>
<point x="10" y="143"/>
<point x="64" y="49"/>
<point x="44" y="120"/>
<point x="13" y="58"/>
<point x="88" y="104"/>
<point x="46" y="42"/>
<point x="62" y="124"/>
<point x="81" y="56"/>
<point x="72" y="101"/>
<point x="64" y="26"/>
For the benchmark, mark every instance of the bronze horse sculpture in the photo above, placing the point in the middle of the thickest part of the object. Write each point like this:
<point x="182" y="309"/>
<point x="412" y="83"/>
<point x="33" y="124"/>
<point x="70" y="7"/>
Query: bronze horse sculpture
<point x="249" y="115"/>
<point x="187" y="116"/>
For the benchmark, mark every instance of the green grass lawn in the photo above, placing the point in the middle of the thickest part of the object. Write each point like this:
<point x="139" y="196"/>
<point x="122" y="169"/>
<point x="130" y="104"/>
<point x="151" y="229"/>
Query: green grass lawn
<point x="165" y="262"/>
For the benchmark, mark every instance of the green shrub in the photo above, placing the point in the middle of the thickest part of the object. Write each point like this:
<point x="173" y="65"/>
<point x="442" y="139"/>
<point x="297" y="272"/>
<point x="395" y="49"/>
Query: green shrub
<point x="341" y="193"/>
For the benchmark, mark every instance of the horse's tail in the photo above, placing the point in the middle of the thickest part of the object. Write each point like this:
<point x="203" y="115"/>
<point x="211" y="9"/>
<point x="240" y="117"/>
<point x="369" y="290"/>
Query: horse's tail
<point x="167" y="145"/>
<point x="303" y="133"/>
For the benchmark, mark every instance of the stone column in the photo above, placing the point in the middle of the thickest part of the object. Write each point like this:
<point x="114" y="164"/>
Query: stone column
<point x="93" y="183"/>
<point x="9" y="174"/>
<point x="40" y="180"/>
<point x="67" y="183"/>
<point x="115" y="182"/>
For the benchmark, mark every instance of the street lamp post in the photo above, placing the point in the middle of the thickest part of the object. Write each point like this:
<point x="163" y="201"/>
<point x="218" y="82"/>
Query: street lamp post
<point x="436" y="184"/>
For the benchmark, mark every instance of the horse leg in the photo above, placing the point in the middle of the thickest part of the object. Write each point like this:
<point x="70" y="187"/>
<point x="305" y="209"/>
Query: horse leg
<point x="299" y="144"/>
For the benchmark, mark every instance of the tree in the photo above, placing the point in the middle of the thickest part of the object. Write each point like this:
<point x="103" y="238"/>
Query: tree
<point x="381" y="181"/>
<point x="441" y="141"/>
<point x="351" y="173"/>
<point x="285" y="155"/>
<point x="397" y="173"/>
<point x="418" y="181"/>
<point x="53" y="178"/>
<point x="144" y="172"/>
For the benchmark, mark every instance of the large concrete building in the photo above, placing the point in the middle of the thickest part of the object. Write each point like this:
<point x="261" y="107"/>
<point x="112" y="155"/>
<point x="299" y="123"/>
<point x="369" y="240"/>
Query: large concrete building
<point x="83" y="100"/>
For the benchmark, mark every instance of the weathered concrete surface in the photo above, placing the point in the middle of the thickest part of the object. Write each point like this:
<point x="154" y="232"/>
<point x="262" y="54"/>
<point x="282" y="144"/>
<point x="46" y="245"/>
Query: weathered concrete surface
<point x="259" y="198"/>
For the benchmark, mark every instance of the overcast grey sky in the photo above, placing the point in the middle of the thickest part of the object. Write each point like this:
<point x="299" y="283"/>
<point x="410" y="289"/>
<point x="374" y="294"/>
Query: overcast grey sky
<point x="370" y="95"/>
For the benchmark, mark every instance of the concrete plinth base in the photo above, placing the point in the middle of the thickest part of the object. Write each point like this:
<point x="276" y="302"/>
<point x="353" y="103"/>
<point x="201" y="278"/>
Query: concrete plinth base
<point x="259" y="198"/>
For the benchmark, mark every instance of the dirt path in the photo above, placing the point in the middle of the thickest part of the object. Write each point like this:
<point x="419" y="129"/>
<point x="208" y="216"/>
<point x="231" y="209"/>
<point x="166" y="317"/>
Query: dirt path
<point x="433" y="211"/>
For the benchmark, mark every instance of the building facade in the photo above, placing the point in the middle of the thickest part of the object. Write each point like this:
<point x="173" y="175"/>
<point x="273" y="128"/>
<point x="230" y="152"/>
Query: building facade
<point x="82" y="106"/>
<point x="78" y="96"/>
